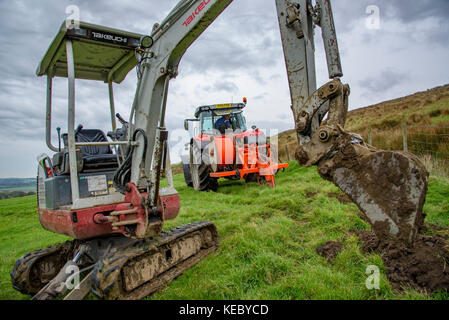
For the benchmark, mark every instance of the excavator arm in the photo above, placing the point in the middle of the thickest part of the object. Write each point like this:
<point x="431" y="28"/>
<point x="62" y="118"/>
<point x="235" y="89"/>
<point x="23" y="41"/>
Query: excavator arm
<point x="388" y="187"/>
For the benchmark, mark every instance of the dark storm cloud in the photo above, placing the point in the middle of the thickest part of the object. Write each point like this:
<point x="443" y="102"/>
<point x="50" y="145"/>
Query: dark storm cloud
<point x="138" y="15"/>
<point x="26" y="30"/>
<point x="387" y="80"/>
<point x="347" y="12"/>
<point x="245" y="37"/>
<point x="404" y="10"/>
<point x="226" y="86"/>
<point x="411" y="11"/>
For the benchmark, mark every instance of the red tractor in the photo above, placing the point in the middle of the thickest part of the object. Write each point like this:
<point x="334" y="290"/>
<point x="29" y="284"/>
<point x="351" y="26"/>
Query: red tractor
<point x="223" y="147"/>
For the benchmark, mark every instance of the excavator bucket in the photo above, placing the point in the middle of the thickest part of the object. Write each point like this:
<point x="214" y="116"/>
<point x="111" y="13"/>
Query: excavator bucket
<point x="389" y="187"/>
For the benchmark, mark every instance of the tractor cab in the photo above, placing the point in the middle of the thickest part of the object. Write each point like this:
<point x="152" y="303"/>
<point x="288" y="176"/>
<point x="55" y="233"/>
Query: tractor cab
<point x="80" y="173"/>
<point x="218" y="119"/>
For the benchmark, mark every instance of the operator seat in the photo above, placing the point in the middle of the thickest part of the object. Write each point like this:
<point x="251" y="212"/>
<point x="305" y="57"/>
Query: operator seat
<point x="96" y="157"/>
<point x="90" y="158"/>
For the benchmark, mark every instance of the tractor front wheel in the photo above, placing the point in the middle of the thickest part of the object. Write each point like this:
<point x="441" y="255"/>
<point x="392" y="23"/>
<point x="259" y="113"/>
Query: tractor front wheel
<point x="186" y="170"/>
<point x="200" y="171"/>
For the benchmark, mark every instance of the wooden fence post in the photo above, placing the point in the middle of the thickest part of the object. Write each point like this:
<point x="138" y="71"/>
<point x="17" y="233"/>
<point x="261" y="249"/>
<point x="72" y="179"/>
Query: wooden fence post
<point x="370" y="136"/>
<point x="404" y="135"/>
<point x="287" y="152"/>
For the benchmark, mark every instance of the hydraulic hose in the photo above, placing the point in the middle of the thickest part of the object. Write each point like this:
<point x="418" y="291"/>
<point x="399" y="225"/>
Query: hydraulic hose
<point x="123" y="174"/>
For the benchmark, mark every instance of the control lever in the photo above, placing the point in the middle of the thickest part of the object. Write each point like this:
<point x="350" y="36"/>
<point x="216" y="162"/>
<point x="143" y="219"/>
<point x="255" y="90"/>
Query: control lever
<point x="58" y="129"/>
<point x="80" y="127"/>
<point x="120" y="119"/>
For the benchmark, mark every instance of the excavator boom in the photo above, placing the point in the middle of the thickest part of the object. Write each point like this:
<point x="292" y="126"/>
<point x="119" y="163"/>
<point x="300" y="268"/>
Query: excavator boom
<point x="388" y="187"/>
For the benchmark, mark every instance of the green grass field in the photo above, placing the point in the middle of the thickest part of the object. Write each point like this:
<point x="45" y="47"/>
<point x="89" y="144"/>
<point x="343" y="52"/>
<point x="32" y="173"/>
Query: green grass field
<point x="268" y="239"/>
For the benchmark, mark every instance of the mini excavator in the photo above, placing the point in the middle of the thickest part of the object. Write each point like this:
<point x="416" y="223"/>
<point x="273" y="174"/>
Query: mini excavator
<point x="106" y="194"/>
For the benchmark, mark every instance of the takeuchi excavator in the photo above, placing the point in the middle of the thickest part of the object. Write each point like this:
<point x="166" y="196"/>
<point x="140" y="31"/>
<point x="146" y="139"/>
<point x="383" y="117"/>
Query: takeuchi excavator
<point x="106" y="195"/>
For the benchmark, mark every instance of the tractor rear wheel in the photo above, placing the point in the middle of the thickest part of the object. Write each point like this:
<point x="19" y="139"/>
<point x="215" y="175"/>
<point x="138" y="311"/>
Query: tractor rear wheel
<point x="200" y="171"/>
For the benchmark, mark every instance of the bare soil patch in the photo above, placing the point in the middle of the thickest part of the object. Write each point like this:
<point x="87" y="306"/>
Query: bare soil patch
<point x="330" y="250"/>
<point x="344" y="199"/>
<point x="311" y="194"/>
<point x="423" y="265"/>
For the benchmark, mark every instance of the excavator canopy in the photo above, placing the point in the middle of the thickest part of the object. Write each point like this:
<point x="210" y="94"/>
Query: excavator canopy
<point x="100" y="53"/>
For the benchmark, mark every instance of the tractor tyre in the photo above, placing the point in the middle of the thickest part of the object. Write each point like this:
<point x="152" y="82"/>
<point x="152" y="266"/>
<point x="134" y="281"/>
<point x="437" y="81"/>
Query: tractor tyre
<point x="200" y="171"/>
<point x="186" y="170"/>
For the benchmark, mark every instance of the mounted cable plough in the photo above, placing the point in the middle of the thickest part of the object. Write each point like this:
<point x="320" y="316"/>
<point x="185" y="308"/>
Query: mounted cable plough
<point x="112" y="203"/>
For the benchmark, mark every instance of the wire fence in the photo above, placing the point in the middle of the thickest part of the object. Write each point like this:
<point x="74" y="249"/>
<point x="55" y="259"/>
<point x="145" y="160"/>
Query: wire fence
<point x="287" y="152"/>
<point x="429" y="143"/>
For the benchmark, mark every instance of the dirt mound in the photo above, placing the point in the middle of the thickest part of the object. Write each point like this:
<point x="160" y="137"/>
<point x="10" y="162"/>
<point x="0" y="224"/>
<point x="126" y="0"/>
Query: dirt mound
<point x="423" y="266"/>
<point x="344" y="199"/>
<point x="330" y="250"/>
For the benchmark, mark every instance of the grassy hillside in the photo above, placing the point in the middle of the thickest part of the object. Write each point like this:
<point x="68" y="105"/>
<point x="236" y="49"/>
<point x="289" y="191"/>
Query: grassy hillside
<point x="421" y="110"/>
<point x="428" y="108"/>
<point x="268" y="241"/>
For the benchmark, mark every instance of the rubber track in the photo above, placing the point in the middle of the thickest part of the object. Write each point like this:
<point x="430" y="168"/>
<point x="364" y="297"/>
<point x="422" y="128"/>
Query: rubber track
<point x="107" y="277"/>
<point x="26" y="279"/>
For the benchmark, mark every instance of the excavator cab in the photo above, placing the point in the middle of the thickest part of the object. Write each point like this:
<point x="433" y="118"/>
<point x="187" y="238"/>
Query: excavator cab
<point x="84" y="167"/>
<point x="80" y="173"/>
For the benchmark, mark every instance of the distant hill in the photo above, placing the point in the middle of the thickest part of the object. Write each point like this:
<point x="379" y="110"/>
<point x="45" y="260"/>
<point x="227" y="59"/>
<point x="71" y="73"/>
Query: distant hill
<point x="16" y="184"/>
<point x="16" y="188"/>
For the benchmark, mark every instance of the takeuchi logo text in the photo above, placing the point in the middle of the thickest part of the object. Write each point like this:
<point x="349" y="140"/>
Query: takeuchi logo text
<point x="197" y="11"/>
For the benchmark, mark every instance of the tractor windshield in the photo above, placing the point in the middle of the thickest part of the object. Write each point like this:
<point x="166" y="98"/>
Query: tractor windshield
<point x="238" y="121"/>
<point x="209" y="121"/>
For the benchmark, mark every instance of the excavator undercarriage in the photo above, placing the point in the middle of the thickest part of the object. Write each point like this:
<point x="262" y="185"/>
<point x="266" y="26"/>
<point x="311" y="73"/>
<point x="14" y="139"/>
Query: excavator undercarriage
<point x="117" y="268"/>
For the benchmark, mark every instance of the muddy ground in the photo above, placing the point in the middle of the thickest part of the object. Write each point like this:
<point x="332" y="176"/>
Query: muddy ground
<point x="423" y="266"/>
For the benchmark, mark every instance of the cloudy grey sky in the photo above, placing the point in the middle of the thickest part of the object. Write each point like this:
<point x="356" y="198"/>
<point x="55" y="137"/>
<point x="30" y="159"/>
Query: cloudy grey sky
<point x="240" y="55"/>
